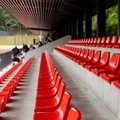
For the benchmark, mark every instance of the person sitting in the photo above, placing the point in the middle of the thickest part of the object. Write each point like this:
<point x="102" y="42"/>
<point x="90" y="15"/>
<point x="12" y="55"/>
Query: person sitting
<point x="22" y="55"/>
<point x="31" y="47"/>
<point x="40" y="44"/>
<point x="15" y="59"/>
<point x="25" y="48"/>
<point x="15" y="51"/>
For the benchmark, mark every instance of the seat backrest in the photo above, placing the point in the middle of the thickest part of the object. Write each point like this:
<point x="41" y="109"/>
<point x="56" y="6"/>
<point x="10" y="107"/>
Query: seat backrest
<point x="86" y="40"/>
<point x="97" y="55"/>
<point x="95" y="40"/>
<point x="61" y="90"/>
<point x="82" y="41"/>
<point x="114" y="39"/>
<point x="91" y="54"/>
<point x="57" y="82"/>
<point x="117" y="44"/>
<point x="74" y="114"/>
<point x="79" y="51"/>
<point x="65" y="104"/>
<point x="98" y="40"/>
<point x="103" y="40"/>
<point x="43" y="58"/>
<point x="115" y="60"/>
<point x="108" y="39"/>
<point x="91" y="41"/>
<point x="82" y="52"/>
<point x="86" y="53"/>
<point x="118" y="41"/>
<point x="105" y="58"/>
<point x="59" y="114"/>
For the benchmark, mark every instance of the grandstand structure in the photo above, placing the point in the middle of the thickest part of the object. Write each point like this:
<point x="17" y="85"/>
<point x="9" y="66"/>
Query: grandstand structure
<point x="76" y="77"/>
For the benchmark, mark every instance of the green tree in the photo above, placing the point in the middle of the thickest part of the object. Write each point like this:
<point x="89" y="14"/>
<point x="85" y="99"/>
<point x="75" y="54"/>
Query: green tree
<point x="8" y="23"/>
<point x="112" y="20"/>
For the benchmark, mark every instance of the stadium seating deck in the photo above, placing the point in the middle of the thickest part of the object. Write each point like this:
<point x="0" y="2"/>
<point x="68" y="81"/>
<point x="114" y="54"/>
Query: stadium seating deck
<point x="78" y="84"/>
<point x="108" y="72"/>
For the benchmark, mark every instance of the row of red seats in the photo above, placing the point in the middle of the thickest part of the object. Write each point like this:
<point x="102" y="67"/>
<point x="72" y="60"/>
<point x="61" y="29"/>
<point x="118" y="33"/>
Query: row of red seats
<point x="101" y="65"/>
<point x="108" y="42"/>
<point x="10" y="87"/>
<point x="52" y="102"/>
<point x="7" y="73"/>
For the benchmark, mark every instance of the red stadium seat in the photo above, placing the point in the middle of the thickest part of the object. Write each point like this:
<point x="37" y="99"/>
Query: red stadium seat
<point x="113" y="65"/>
<point x="103" y="40"/>
<point x="49" y="92"/>
<point x="117" y="44"/>
<point x="91" y="41"/>
<point x="59" y="114"/>
<point x="3" y="101"/>
<point x="83" y="57"/>
<point x="74" y="114"/>
<point x="113" y="41"/>
<point x="98" y="42"/>
<point x="108" y="41"/>
<point x="94" y="42"/>
<point x="117" y="83"/>
<point x="94" y="61"/>
<point x="49" y="104"/>
<point x="89" y="58"/>
<point x="103" y="61"/>
<point x="110" y="77"/>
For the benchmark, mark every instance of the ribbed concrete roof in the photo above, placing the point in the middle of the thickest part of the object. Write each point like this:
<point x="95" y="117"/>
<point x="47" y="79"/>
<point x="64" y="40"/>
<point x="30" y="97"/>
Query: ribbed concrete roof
<point x="46" y="14"/>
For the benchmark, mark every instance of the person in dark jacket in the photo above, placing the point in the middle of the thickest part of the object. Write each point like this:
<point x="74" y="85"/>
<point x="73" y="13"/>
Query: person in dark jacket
<point x="25" y="48"/>
<point x="15" y="51"/>
<point x="15" y="54"/>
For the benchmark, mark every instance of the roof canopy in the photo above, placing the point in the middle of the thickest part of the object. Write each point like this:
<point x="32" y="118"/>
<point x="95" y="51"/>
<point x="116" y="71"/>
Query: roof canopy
<point x="47" y="14"/>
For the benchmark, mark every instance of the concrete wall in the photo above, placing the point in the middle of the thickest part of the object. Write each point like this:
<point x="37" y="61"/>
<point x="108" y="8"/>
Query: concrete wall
<point x="50" y="46"/>
<point x="5" y="59"/>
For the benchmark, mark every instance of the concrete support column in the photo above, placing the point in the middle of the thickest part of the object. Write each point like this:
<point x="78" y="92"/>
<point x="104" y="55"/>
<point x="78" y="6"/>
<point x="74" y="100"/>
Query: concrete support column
<point x="80" y="26"/>
<point x="72" y="29"/>
<point x="69" y="28"/>
<point x="88" y="24"/>
<point x="66" y="29"/>
<point x="76" y="27"/>
<point x="60" y="33"/>
<point x="101" y="18"/>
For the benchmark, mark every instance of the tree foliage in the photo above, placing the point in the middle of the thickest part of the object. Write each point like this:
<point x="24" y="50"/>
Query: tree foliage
<point x="8" y="23"/>
<point x="112" y="20"/>
<point x="112" y="16"/>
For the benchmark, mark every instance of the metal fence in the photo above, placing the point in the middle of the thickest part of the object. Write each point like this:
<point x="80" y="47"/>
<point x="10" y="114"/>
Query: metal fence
<point x="5" y="59"/>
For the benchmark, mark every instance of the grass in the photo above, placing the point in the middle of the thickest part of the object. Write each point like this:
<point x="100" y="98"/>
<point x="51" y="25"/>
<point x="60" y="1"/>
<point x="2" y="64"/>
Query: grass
<point x="17" y="40"/>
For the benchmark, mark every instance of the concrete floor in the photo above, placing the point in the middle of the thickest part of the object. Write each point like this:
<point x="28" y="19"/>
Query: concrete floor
<point x="21" y="104"/>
